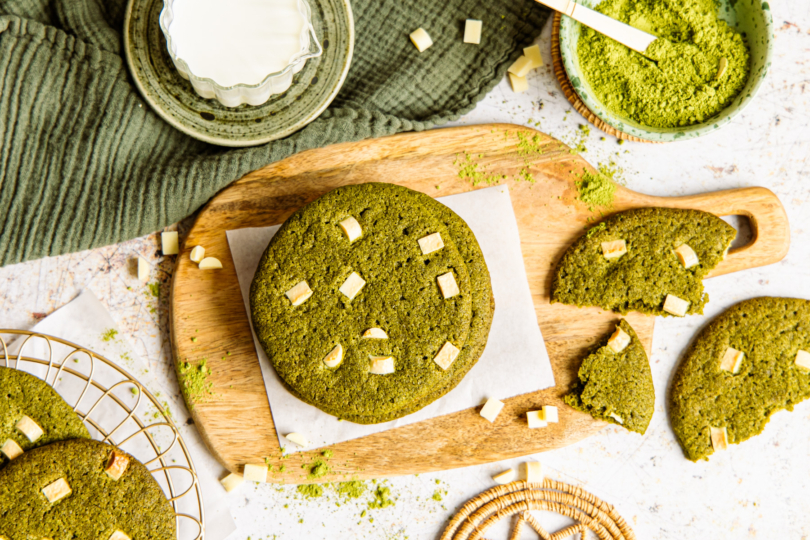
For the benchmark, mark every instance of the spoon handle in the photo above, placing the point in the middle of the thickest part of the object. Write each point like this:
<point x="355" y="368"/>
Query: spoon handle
<point x="636" y="39"/>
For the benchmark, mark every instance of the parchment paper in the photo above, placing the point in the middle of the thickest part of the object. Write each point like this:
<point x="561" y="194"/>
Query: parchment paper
<point x="515" y="360"/>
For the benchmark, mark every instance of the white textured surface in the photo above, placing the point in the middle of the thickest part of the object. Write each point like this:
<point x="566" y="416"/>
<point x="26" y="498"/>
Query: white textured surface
<point x="755" y="490"/>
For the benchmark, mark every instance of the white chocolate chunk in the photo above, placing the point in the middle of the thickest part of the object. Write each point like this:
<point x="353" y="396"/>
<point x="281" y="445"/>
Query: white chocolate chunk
<point x="298" y="439"/>
<point x="430" y="243"/>
<point x="352" y="285"/>
<point x="447" y="354"/>
<point x="30" y="428"/>
<point x="492" y="408"/>
<point x="57" y="491"/>
<point x="533" y="472"/>
<point x="119" y="535"/>
<point x="803" y="360"/>
<point x="255" y="473"/>
<point x="11" y="449"/>
<point x="472" y="31"/>
<point x="299" y="294"/>
<point x="335" y="357"/>
<point x="232" y="481"/>
<point x="533" y="54"/>
<point x="375" y="333"/>
<point x="210" y="263"/>
<point x="614" y="249"/>
<point x="116" y="465"/>
<point x="675" y="306"/>
<point x="732" y="360"/>
<point x="619" y="340"/>
<point x="719" y="437"/>
<point x="448" y="285"/>
<point x="505" y="477"/>
<point x="421" y="39"/>
<point x="518" y="84"/>
<point x="197" y="254"/>
<point x="521" y="67"/>
<point x="535" y="419"/>
<point x="382" y="365"/>
<point x="687" y="256"/>
<point x="143" y="269"/>
<point x="170" y="243"/>
<point x="550" y="414"/>
<point x="352" y="229"/>
<point x="617" y="418"/>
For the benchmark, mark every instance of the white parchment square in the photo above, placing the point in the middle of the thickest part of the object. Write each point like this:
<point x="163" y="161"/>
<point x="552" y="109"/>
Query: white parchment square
<point x="514" y="362"/>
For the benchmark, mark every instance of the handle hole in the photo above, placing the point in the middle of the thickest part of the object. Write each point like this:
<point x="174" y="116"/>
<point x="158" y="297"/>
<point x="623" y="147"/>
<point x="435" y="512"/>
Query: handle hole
<point x="745" y="232"/>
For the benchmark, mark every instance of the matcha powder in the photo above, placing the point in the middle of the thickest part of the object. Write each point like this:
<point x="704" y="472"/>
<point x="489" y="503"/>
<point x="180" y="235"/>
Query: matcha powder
<point x="699" y="67"/>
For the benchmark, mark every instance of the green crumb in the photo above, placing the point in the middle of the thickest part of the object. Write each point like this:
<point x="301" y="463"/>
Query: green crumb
<point x="381" y="498"/>
<point x="194" y="340"/>
<point x="282" y="468"/>
<point x="526" y="176"/>
<point x="327" y="454"/>
<point x="437" y="495"/>
<point x="596" y="189"/>
<point x="352" y="489"/>
<point x="468" y="170"/>
<point x="595" y="229"/>
<point x="76" y="360"/>
<point x="438" y="481"/>
<point x="194" y="380"/>
<point x="154" y="288"/>
<point x="318" y="469"/>
<point x="134" y="391"/>
<point x="109" y="335"/>
<point x="310" y="491"/>
<point x="529" y="146"/>
<point x="363" y="513"/>
<point x="621" y="141"/>
<point x="690" y="75"/>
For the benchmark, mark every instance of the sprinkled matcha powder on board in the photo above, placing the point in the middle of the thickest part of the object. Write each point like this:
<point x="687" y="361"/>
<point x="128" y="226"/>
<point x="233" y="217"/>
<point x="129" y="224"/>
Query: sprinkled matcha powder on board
<point x="685" y="84"/>
<point x="596" y="189"/>
<point x="318" y="469"/>
<point x="310" y="490"/>
<point x="194" y="379"/>
<point x="109" y="335"/>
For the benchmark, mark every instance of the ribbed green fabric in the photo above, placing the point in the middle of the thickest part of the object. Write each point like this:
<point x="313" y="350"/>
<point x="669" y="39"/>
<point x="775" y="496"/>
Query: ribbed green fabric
<point x="84" y="162"/>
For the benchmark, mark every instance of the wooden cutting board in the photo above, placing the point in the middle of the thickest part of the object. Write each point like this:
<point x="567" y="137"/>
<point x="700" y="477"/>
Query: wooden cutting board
<point x="236" y="422"/>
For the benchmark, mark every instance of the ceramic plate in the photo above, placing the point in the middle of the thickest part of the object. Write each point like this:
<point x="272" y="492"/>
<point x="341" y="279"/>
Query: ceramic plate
<point x="750" y="17"/>
<point x="173" y="98"/>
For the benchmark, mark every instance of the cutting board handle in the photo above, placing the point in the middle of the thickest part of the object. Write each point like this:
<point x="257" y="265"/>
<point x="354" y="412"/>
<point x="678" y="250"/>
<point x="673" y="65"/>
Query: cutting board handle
<point x="769" y="224"/>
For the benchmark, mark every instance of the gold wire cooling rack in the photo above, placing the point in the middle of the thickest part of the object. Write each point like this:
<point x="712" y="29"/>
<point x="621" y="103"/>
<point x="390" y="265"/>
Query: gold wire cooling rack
<point x="102" y="394"/>
<point x="519" y="498"/>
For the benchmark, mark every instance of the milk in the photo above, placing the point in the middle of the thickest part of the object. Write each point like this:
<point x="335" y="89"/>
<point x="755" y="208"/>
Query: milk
<point x="236" y="41"/>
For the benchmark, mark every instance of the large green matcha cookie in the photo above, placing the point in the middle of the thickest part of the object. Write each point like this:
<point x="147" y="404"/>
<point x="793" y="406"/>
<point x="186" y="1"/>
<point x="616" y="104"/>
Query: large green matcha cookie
<point x="641" y="279"/>
<point x="616" y="387"/>
<point x="770" y="332"/>
<point x="22" y="394"/>
<point x="483" y="307"/>
<point x="97" y="505"/>
<point x="401" y="296"/>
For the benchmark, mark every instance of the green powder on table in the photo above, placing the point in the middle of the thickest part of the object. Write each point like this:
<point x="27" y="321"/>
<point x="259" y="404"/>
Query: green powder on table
<point x="352" y="489"/>
<point x="700" y="66"/>
<point x="382" y="498"/>
<point x="310" y="490"/>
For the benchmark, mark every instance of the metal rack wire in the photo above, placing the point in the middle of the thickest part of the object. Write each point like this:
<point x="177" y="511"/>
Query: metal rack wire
<point x="85" y="380"/>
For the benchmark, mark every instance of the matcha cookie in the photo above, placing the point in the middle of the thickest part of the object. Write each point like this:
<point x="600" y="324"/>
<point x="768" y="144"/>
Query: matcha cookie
<point x="748" y="363"/>
<point x="651" y="260"/>
<point x="615" y="383"/>
<point x="367" y="260"/>
<point x="63" y="492"/>
<point x="28" y="404"/>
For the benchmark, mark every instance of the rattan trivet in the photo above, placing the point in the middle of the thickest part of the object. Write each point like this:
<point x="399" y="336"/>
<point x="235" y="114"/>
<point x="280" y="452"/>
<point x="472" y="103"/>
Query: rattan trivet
<point x="519" y="498"/>
<point x="571" y="95"/>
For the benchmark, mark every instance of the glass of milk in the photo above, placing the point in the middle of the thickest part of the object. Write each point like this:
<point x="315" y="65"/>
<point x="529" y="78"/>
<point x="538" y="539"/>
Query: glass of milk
<point x="239" y="51"/>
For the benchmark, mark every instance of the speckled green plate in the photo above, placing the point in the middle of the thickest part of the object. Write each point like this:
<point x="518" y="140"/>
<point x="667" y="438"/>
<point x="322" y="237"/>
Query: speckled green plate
<point x="173" y="98"/>
<point x="750" y="17"/>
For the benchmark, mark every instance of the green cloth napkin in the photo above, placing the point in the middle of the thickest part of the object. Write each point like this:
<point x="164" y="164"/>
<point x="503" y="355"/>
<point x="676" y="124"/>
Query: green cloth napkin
<point x="84" y="162"/>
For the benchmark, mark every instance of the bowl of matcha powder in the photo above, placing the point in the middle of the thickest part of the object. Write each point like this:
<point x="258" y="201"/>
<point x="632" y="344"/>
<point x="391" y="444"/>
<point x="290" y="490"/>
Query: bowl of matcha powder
<point x="707" y="68"/>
